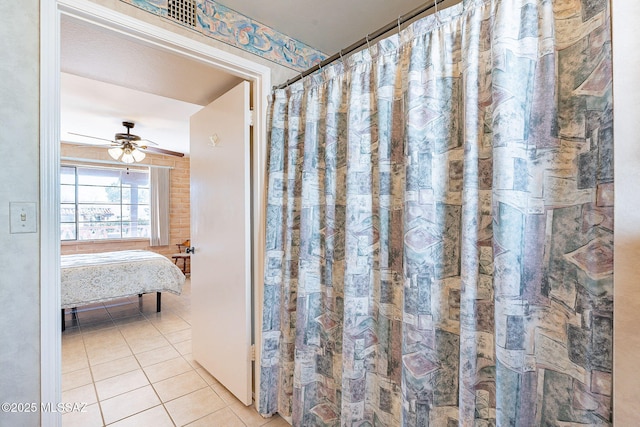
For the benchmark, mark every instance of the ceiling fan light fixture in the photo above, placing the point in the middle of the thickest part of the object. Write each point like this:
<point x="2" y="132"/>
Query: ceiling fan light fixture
<point x="130" y="145"/>
<point x="138" y="155"/>
<point x="127" y="158"/>
<point x="115" y="152"/>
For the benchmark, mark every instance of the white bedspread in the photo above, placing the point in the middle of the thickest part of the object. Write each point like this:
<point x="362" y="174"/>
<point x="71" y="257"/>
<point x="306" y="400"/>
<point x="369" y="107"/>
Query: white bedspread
<point x="90" y="278"/>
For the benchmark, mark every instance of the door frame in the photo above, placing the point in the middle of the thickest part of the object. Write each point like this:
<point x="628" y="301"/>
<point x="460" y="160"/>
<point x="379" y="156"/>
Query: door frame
<point x="143" y="32"/>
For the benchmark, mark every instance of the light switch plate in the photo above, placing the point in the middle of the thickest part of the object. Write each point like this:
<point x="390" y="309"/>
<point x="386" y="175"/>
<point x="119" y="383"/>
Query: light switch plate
<point x="23" y="217"/>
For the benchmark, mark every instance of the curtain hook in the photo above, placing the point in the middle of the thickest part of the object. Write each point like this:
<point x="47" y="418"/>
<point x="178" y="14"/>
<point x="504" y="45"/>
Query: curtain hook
<point x="435" y="3"/>
<point x="399" y="24"/>
<point x="341" y="58"/>
<point x="368" y="45"/>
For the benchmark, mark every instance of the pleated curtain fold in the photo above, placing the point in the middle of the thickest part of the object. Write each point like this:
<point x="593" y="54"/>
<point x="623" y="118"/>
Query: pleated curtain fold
<point x="439" y="245"/>
<point x="160" y="215"/>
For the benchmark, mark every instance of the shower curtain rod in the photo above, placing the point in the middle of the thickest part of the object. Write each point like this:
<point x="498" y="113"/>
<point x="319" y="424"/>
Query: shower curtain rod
<point x="390" y="26"/>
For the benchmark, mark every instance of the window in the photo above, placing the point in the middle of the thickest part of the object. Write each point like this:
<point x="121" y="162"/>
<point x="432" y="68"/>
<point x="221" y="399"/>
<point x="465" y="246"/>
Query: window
<point x="103" y="203"/>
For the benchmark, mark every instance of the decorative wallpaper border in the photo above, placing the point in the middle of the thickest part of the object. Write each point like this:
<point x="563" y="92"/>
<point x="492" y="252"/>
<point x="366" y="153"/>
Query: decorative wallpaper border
<point x="217" y="21"/>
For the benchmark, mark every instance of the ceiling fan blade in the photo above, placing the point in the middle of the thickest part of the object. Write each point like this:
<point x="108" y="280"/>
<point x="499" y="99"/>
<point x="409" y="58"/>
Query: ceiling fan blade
<point x="149" y="141"/>
<point x="89" y="136"/>
<point x="162" y="151"/>
<point x="85" y="145"/>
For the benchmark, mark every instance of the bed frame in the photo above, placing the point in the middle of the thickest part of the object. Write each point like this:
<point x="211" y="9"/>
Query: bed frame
<point x="74" y="310"/>
<point x="92" y="278"/>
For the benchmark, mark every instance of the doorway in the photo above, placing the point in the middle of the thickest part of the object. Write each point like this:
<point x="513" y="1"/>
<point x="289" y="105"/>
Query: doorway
<point x="143" y="32"/>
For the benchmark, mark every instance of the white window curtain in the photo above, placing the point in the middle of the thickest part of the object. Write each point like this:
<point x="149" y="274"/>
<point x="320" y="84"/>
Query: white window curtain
<point x="160" y="185"/>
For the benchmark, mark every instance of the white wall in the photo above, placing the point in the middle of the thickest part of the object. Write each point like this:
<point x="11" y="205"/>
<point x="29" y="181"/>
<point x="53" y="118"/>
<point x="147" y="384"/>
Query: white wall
<point x="19" y="147"/>
<point x="626" y="99"/>
<point x="19" y="269"/>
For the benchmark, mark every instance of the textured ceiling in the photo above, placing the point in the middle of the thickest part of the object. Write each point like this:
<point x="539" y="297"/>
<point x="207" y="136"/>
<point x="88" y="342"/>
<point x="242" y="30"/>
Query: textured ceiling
<point x="162" y="120"/>
<point x="108" y="79"/>
<point x="100" y="54"/>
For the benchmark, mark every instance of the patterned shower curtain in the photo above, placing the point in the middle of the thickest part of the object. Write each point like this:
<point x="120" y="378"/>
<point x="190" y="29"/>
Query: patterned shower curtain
<point x="440" y="226"/>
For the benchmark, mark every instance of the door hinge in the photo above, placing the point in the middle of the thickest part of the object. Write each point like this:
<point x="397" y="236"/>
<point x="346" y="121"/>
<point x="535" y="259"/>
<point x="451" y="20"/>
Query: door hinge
<point x="252" y="118"/>
<point x="253" y="352"/>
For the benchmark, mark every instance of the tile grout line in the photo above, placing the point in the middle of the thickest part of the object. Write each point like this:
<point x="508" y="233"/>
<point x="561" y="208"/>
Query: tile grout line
<point x="162" y="403"/>
<point x="192" y="369"/>
<point x="93" y="382"/>
<point x="152" y="319"/>
<point x="146" y="376"/>
<point x="104" y="422"/>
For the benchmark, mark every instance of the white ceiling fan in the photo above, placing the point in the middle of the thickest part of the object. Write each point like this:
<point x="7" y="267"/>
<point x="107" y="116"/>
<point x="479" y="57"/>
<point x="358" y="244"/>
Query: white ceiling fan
<point x="130" y="148"/>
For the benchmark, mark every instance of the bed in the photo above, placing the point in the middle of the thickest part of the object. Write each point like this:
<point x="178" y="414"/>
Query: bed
<point x="92" y="278"/>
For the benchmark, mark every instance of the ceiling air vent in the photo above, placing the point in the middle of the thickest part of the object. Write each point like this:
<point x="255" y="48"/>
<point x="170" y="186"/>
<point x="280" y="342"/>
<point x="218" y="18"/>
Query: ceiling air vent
<point x="183" y="11"/>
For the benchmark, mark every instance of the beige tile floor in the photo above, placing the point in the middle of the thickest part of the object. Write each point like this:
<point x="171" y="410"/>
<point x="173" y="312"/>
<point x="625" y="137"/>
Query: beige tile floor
<point x="133" y="367"/>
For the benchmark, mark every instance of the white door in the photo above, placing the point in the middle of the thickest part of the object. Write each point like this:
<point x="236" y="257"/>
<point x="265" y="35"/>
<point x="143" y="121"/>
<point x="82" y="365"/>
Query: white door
<point x="221" y="238"/>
